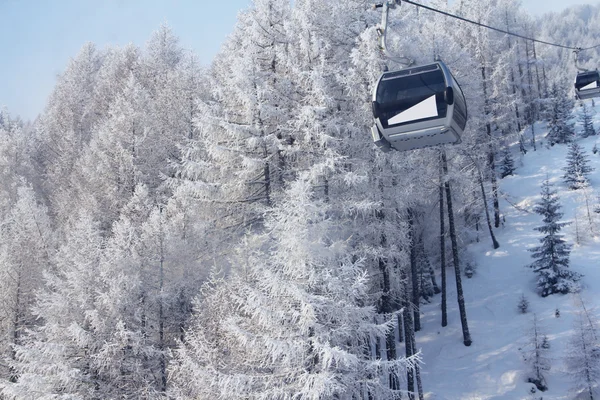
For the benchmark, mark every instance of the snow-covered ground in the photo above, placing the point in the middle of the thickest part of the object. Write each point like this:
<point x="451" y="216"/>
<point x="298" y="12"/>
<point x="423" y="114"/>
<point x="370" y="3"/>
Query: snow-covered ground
<point x="493" y="367"/>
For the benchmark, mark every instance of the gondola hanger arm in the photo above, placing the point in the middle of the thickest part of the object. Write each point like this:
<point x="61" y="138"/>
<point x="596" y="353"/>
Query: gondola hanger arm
<point x="576" y="57"/>
<point x="382" y="32"/>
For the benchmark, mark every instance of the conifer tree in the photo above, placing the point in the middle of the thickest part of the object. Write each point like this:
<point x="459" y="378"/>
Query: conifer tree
<point x="523" y="304"/>
<point x="26" y="243"/>
<point x="560" y="130"/>
<point x="586" y="121"/>
<point x="577" y="168"/>
<point x="507" y="165"/>
<point x="552" y="257"/>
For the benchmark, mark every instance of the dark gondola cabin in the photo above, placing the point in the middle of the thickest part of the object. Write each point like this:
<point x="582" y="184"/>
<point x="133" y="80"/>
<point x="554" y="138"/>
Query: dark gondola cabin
<point x="418" y="107"/>
<point x="587" y="85"/>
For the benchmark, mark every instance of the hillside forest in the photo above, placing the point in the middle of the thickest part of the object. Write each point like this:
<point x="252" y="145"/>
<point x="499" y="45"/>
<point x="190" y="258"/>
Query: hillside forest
<point x="230" y="231"/>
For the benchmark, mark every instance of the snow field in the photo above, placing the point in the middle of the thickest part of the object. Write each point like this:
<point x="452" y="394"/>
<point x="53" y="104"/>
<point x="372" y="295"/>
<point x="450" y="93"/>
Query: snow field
<point x="493" y="367"/>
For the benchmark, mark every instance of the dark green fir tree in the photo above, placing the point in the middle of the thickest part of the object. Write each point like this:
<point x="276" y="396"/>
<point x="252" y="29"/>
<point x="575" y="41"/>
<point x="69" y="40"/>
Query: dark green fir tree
<point x="507" y="164"/>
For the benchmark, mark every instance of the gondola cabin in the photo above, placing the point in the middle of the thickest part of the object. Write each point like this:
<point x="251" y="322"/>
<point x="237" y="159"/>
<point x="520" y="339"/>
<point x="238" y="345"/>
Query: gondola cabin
<point x="418" y="107"/>
<point x="587" y="85"/>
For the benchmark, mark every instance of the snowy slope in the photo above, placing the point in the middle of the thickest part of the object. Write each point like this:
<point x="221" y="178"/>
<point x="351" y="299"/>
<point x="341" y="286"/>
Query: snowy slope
<point x="493" y="367"/>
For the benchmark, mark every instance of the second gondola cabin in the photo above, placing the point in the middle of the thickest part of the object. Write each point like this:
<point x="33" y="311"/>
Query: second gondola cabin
<point x="587" y="85"/>
<point x="418" y="107"/>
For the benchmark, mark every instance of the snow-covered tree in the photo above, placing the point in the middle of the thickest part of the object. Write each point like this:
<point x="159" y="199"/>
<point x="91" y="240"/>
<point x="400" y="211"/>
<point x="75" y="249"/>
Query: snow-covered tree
<point x="507" y="164"/>
<point x="560" y="130"/>
<point x="587" y="123"/>
<point x="65" y="127"/>
<point x="55" y="357"/>
<point x="523" y="304"/>
<point x="577" y="168"/>
<point x="585" y="210"/>
<point x="17" y="149"/>
<point x="552" y="257"/>
<point x="535" y="354"/>
<point x="295" y="319"/>
<point x="91" y="342"/>
<point x="582" y="358"/>
<point x="26" y="250"/>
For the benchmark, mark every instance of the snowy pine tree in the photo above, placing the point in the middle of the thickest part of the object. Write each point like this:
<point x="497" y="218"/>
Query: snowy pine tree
<point x="552" y="257"/>
<point x="577" y="168"/>
<point x="523" y="304"/>
<point x="586" y="121"/>
<point x="559" y="128"/>
<point x="507" y="164"/>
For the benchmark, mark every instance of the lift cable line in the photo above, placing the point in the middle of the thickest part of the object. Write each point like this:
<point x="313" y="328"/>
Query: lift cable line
<point x="577" y="49"/>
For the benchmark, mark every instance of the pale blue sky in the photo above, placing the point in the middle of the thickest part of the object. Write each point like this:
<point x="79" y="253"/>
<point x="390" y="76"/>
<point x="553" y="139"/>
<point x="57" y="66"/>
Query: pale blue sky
<point x="37" y="37"/>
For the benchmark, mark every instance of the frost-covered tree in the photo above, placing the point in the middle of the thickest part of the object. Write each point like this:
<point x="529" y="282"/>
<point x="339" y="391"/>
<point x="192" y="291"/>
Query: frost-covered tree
<point x="237" y="164"/>
<point x="577" y="168"/>
<point x="116" y="160"/>
<point x="17" y="149"/>
<point x="91" y="342"/>
<point x="288" y="325"/>
<point x="54" y="358"/>
<point x="582" y="357"/>
<point x="587" y="123"/>
<point x="26" y="250"/>
<point x="535" y="354"/>
<point x="552" y="257"/>
<point x="585" y="210"/>
<point x="560" y="130"/>
<point x="65" y="127"/>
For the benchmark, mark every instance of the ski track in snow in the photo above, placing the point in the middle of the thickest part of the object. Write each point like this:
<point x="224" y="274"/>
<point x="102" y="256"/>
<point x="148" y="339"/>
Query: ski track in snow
<point x="493" y="367"/>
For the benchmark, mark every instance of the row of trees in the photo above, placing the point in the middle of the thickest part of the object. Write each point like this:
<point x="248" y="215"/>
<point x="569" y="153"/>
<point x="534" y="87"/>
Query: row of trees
<point x="148" y="176"/>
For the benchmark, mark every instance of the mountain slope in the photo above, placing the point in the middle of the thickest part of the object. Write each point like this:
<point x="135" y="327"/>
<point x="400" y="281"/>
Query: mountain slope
<point x="493" y="367"/>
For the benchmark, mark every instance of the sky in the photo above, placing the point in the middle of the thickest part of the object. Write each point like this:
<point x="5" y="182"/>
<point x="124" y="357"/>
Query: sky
<point x="37" y="37"/>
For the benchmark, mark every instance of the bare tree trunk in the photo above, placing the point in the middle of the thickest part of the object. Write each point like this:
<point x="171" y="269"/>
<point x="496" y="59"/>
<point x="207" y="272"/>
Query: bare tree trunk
<point x="443" y="244"/>
<point x="413" y="375"/>
<point x="512" y="78"/>
<point x="491" y="156"/>
<point x="419" y="383"/>
<point x="161" y="316"/>
<point x="533" y="136"/>
<point x="529" y="75"/>
<point x="413" y="271"/>
<point x="400" y="328"/>
<point x="495" y="243"/>
<point x="408" y="329"/>
<point x="459" y="290"/>
<point x="545" y="80"/>
<point x="387" y="307"/>
<point x="267" y="173"/>
<point x="537" y="72"/>
<point x="16" y="327"/>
